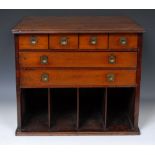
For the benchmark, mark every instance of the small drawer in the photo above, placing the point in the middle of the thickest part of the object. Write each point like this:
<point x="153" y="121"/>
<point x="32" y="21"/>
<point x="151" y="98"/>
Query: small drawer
<point x="76" y="78"/>
<point x="93" y="41"/>
<point x="123" y="41"/>
<point x="33" y="41"/>
<point x="63" y="41"/>
<point x="78" y="59"/>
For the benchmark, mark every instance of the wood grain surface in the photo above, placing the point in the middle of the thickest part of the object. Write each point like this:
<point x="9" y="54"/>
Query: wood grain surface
<point x="95" y="104"/>
<point x="25" y="41"/>
<point x="55" y="41"/>
<point x="131" y="39"/>
<point x="101" y="41"/>
<point x="78" y="59"/>
<point x="76" y="78"/>
<point x="76" y="24"/>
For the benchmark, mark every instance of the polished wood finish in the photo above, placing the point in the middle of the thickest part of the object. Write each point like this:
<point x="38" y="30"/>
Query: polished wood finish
<point x="101" y="41"/>
<point x="25" y="41"/>
<point x="138" y="80"/>
<point x="78" y="59"/>
<point x="115" y="41"/>
<point x="75" y="24"/>
<point x="18" y="90"/>
<point x="71" y="41"/>
<point x="78" y="75"/>
<point x="78" y="133"/>
<point x="76" y="78"/>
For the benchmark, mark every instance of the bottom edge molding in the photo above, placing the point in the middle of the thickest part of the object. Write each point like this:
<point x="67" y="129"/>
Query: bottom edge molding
<point x="77" y="133"/>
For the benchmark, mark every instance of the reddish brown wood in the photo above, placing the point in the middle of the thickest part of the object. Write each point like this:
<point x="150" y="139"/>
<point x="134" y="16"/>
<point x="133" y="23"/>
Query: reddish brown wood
<point x="79" y="50"/>
<point x="55" y="41"/>
<point x="18" y="90"/>
<point x="138" y="81"/>
<point x="78" y="59"/>
<point x="87" y="24"/>
<point x="115" y="41"/>
<point x="79" y="133"/>
<point x="101" y="41"/>
<point x="70" y="78"/>
<point x="25" y="41"/>
<point x="79" y="66"/>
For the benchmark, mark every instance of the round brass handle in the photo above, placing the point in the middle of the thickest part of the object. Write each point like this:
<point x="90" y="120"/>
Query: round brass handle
<point x="44" y="77"/>
<point x="110" y="77"/>
<point x="123" y="41"/>
<point x="112" y="59"/>
<point x="93" y="40"/>
<point x="63" y="41"/>
<point x="44" y="59"/>
<point x="33" y="40"/>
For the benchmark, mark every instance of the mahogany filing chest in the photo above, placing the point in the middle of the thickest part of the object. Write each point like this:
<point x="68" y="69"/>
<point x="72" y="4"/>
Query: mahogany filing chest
<point x="78" y="75"/>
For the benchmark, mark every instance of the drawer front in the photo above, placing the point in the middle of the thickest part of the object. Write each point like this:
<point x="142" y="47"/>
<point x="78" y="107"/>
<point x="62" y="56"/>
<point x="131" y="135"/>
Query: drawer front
<point x="123" y="41"/>
<point x="33" y="41"/>
<point x="63" y="41"/>
<point x="78" y="59"/>
<point x="76" y="78"/>
<point x="93" y="41"/>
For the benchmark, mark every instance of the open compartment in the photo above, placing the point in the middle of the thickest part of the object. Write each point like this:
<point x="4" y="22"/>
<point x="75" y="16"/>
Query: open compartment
<point x="120" y="109"/>
<point x="34" y="109"/>
<point x="63" y="109"/>
<point x="91" y="108"/>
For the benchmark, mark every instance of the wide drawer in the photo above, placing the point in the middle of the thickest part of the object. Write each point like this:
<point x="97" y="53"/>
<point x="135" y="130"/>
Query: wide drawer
<point x="93" y="41"/>
<point x="63" y="41"/>
<point x="78" y="59"/>
<point x="123" y="41"/>
<point x="76" y="78"/>
<point x="33" y="41"/>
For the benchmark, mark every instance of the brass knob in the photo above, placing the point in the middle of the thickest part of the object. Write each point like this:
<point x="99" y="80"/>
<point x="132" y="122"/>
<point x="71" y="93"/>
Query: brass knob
<point x="123" y="41"/>
<point x="112" y="59"/>
<point x="44" y="59"/>
<point x="110" y="77"/>
<point x="44" y="77"/>
<point x="63" y="41"/>
<point x="33" y="40"/>
<point x="93" y="40"/>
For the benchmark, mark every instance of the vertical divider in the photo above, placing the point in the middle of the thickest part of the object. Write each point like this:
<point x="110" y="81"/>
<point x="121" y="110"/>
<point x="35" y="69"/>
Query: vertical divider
<point x="49" y="107"/>
<point x="22" y="101"/>
<point x="77" y="121"/>
<point x="105" y="108"/>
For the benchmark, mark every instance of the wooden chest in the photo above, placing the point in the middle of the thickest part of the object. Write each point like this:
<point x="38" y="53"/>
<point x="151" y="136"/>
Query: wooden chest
<point x="78" y="75"/>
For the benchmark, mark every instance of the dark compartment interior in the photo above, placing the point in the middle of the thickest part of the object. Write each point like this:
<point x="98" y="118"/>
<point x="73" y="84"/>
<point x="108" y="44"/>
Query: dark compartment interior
<point x="35" y="109"/>
<point x="77" y="109"/>
<point x="120" y="108"/>
<point x="91" y="106"/>
<point x="63" y="109"/>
